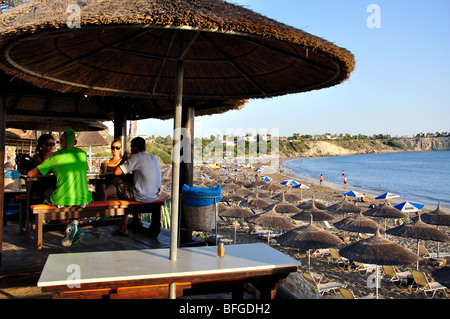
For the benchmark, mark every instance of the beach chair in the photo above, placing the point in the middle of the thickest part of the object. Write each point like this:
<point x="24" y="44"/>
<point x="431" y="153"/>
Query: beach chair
<point x="348" y="294"/>
<point x="427" y="255"/>
<point x="335" y="258"/>
<point x="422" y="283"/>
<point x="392" y="275"/>
<point x="323" y="288"/>
<point x="320" y="253"/>
<point x="362" y="268"/>
<point x="330" y="227"/>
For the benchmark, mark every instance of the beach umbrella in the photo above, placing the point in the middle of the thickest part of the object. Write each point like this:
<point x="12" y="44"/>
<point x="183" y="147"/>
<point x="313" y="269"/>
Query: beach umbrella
<point x="436" y="217"/>
<point x="317" y="214"/>
<point x="178" y="53"/>
<point x="288" y="196"/>
<point x="308" y="204"/>
<point x="419" y="230"/>
<point x="302" y="187"/>
<point x="290" y="182"/>
<point x="260" y="193"/>
<point x="352" y="193"/>
<point x="258" y="202"/>
<point x="284" y="207"/>
<point x="385" y="211"/>
<point x="266" y="178"/>
<point x="358" y="224"/>
<point x="379" y="251"/>
<point x="272" y="221"/>
<point x="442" y="275"/>
<point x="409" y="207"/>
<point x="273" y="187"/>
<point x="232" y="198"/>
<point x="242" y="191"/>
<point x="237" y="212"/>
<point x="387" y="195"/>
<point x="345" y="207"/>
<point x="309" y="237"/>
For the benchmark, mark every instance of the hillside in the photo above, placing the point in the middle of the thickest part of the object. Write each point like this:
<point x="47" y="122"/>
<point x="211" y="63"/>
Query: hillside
<point x="307" y="148"/>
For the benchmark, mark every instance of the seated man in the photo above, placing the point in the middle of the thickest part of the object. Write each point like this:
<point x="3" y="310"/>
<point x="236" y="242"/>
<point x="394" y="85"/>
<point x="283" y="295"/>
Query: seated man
<point x="70" y="166"/>
<point x="146" y="179"/>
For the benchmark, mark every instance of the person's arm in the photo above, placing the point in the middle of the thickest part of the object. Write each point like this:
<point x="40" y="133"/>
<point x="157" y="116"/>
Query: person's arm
<point x="34" y="173"/>
<point x="118" y="171"/>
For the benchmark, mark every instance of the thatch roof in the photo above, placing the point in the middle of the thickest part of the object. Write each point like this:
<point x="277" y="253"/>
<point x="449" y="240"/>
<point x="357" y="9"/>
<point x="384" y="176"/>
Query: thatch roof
<point x="91" y="139"/>
<point x="22" y="98"/>
<point x="128" y="48"/>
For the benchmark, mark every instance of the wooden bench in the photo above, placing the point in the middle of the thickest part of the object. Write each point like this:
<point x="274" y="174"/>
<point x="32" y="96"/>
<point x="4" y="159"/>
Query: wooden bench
<point x="96" y="209"/>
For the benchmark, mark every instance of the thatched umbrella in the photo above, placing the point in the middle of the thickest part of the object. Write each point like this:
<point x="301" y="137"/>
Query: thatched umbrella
<point x="236" y="211"/>
<point x="232" y="198"/>
<point x="442" y="275"/>
<point x="242" y="191"/>
<point x="258" y="202"/>
<point x="174" y="51"/>
<point x="359" y="224"/>
<point x="284" y="207"/>
<point x="309" y="237"/>
<point x="89" y="139"/>
<point x="385" y="211"/>
<point x="308" y="204"/>
<point x="317" y="214"/>
<point x="53" y="125"/>
<point x="345" y="207"/>
<point x="419" y="230"/>
<point x="380" y="251"/>
<point x="271" y="220"/>
<point x="436" y="217"/>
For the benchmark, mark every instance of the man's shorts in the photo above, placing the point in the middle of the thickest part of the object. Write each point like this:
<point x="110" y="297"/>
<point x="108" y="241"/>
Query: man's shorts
<point x="125" y="191"/>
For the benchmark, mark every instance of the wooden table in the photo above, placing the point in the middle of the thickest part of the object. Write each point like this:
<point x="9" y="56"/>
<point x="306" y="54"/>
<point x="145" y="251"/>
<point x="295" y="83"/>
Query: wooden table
<point x="148" y="273"/>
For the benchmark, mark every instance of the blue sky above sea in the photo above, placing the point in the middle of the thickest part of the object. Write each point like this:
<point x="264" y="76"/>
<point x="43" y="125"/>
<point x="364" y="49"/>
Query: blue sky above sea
<point x="399" y="86"/>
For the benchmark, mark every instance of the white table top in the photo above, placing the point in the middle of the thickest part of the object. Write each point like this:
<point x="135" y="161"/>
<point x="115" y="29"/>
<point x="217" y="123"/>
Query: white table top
<point x="93" y="267"/>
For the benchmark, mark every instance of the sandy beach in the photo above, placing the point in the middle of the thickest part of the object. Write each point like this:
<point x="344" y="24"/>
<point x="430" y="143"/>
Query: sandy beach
<point x="355" y="281"/>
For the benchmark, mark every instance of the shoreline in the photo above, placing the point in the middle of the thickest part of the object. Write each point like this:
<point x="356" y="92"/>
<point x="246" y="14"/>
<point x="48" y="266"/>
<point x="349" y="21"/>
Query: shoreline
<point x="368" y="192"/>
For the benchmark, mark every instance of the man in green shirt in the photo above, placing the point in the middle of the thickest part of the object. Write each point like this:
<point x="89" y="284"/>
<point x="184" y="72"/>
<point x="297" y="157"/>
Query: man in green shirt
<point x="69" y="165"/>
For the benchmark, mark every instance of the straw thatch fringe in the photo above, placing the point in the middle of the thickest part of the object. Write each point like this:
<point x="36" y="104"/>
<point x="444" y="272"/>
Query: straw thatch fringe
<point x="284" y="48"/>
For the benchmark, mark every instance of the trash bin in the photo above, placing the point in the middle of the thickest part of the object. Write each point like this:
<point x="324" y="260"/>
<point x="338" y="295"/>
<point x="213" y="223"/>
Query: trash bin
<point x="199" y="206"/>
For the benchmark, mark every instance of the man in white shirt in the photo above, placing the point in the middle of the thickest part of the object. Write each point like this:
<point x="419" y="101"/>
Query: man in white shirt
<point x="146" y="179"/>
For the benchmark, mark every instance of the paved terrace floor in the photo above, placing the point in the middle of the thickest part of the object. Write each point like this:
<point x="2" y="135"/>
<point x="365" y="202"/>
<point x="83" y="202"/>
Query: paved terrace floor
<point x="21" y="264"/>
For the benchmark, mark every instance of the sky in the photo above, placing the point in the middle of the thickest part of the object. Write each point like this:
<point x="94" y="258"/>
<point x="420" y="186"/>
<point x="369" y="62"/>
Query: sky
<point x="400" y="85"/>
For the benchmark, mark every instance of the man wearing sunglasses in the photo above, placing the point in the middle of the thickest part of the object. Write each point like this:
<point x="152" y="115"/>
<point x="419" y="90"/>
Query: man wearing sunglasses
<point x="70" y="166"/>
<point x="146" y="178"/>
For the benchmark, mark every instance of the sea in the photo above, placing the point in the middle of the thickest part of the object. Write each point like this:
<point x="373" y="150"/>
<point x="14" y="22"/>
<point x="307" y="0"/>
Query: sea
<point x="421" y="177"/>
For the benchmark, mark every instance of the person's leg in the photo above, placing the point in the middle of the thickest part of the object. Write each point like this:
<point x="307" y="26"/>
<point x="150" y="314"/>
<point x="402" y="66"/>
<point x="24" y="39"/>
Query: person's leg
<point x="124" y="191"/>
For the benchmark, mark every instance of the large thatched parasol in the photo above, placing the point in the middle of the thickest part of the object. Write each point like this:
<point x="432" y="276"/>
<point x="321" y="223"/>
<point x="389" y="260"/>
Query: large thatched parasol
<point x="385" y="211"/>
<point x="317" y="214"/>
<point x="43" y="123"/>
<point x="380" y="251"/>
<point x="359" y="224"/>
<point x="185" y="52"/>
<point x="436" y="217"/>
<point x="419" y="230"/>
<point x="345" y="207"/>
<point x="309" y="237"/>
<point x="271" y="220"/>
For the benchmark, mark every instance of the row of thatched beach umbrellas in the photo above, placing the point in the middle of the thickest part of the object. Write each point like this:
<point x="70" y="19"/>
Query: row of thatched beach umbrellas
<point x="374" y="250"/>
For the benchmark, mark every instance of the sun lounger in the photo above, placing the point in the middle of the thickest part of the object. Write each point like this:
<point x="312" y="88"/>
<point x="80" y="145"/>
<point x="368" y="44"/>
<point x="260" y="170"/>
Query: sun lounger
<point x="323" y="288"/>
<point x="362" y="268"/>
<point x="335" y="258"/>
<point x="320" y="253"/>
<point x="427" y="255"/>
<point x="348" y="294"/>
<point x="422" y="283"/>
<point x="392" y="275"/>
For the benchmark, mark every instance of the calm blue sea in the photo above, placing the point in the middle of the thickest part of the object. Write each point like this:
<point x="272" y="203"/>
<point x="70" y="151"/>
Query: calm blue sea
<point x="422" y="177"/>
